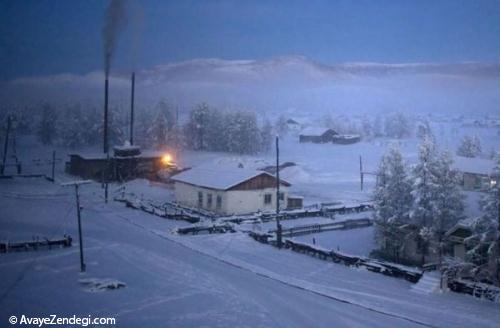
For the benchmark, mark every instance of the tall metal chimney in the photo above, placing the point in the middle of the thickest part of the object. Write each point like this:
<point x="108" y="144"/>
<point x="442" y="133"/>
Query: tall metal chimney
<point x="106" y="85"/>
<point x="132" y="110"/>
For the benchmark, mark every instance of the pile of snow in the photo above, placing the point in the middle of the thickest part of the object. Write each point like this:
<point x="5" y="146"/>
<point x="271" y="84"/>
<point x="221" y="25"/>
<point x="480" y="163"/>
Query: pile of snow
<point x="100" y="285"/>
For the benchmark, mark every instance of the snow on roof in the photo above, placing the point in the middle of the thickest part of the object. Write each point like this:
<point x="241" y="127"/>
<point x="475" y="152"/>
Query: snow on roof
<point x="314" y="131"/>
<point x="473" y="165"/>
<point x="219" y="177"/>
<point x="94" y="155"/>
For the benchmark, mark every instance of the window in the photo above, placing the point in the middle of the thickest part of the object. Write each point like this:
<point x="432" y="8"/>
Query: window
<point x="200" y="199"/>
<point x="281" y="196"/>
<point x="268" y="198"/>
<point x="209" y="200"/>
<point x="218" y="203"/>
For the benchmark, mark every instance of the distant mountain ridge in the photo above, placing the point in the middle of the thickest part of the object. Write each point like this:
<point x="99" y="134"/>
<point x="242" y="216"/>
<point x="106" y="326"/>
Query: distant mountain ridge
<point x="279" y="82"/>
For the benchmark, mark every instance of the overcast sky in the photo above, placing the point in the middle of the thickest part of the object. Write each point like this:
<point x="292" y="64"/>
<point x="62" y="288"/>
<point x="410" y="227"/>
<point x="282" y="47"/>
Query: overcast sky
<point x="59" y="36"/>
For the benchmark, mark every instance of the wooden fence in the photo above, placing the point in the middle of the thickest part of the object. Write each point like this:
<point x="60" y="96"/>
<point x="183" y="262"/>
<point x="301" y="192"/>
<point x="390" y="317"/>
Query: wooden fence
<point x="36" y="244"/>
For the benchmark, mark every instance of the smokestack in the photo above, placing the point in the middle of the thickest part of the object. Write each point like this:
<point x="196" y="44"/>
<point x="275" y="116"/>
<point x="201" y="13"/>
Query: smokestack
<point x="106" y="84"/>
<point x="132" y="110"/>
<point x="114" y="23"/>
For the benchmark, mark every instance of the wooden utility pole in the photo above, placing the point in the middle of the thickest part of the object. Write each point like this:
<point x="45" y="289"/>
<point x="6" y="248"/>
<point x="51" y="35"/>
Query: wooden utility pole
<point x="132" y="94"/>
<point x="6" y="144"/>
<point x="80" y="238"/>
<point x="361" y="171"/>
<point x="278" y="224"/>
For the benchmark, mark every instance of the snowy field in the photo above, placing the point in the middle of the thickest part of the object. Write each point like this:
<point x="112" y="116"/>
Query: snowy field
<point x="214" y="280"/>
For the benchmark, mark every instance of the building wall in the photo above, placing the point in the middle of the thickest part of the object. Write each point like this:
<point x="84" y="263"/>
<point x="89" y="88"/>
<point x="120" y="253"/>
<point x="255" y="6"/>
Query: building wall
<point x="233" y="201"/>
<point x="248" y="201"/>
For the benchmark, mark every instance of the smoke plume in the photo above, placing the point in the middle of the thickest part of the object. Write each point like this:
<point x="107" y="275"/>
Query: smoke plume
<point x="115" y="21"/>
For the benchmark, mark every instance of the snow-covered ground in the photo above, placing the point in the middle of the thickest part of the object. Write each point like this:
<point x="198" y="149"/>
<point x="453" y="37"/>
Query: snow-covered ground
<point x="213" y="280"/>
<point x="359" y="241"/>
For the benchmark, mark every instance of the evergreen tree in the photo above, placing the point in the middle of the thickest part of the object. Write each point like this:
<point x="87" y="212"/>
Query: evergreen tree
<point x="448" y="199"/>
<point x="159" y="131"/>
<point x="71" y="131"/>
<point x="47" y="126"/>
<point x="424" y="190"/>
<point x="469" y="147"/>
<point x="486" y="237"/>
<point x="266" y="136"/>
<point x="366" y="127"/>
<point x="281" y="126"/>
<point x="424" y="129"/>
<point x="424" y="187"/>
<point x="377" y="127"/>
<point x="392" y="201"/>
<point x="197" y="127"/>
<point x="397" y="125"/>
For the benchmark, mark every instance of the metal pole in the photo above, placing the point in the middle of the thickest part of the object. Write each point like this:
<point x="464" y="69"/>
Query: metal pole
<point x="278" y="224"/>
<point x="132" y="110"/>
<point x="53" y="165"/>
<point x="82" y="264"/>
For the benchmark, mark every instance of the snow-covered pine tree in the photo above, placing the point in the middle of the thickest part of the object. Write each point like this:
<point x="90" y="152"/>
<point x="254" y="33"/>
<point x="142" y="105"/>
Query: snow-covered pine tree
<point x="397" y="125"/>
<point x="469" y="147"/>
<point x="366" y="127"/>
<point x="424" y="190"/>
<point x="159" y="131"/>
<point x="424" y="187"/>
<point x="47" y="126"/>
<point x="281" y="126"/>
<point x="378" y="130"/>
<point x="71" y="130"/>
<point x="116" y="127"/>
<point x="448" y="201"/>
<point x="144" y="121"/>
<point x="424" y="129"/>
<point x="197" y="127"/>
<point x="266" y="136"/>
<point x="392" y="202"/>
<point x="485" y="241"/>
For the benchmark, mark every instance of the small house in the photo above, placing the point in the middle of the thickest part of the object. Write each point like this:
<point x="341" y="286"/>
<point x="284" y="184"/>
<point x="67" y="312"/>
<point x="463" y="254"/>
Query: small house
<point x="456" y="237"/>
<point x="317" y="135"/>
<point x="475" y="173"/>
<point x="229" y="190"/>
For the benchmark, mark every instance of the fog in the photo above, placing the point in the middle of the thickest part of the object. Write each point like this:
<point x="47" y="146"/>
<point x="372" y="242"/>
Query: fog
<point x="291" y="84"/>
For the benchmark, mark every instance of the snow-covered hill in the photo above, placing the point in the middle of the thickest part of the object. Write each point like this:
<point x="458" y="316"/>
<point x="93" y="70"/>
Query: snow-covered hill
<point x="279" y="83"/>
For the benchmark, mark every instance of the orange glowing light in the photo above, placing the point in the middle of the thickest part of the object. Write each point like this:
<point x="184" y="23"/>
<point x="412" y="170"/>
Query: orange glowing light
<point x="166" y="159"/>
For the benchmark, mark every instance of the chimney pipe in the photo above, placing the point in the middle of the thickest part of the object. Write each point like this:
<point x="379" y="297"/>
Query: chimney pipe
<point x="106" y="86"/>
<point x="132" y="110"/>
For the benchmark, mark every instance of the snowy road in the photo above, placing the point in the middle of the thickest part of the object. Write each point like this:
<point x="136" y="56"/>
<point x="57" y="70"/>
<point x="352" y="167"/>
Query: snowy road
<point x="167" y="284"/>
<point x="217" y="280"/>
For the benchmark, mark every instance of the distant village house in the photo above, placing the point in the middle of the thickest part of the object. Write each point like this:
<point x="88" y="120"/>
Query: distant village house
<point x="317" y="135"/>
<point x="475" y="173"/>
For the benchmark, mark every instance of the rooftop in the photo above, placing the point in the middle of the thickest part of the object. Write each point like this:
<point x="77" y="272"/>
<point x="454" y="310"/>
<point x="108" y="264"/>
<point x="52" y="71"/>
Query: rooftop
<point x="221" y="177"/>
<point x="314" y="131"/>
<point x="473" y="165"/>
